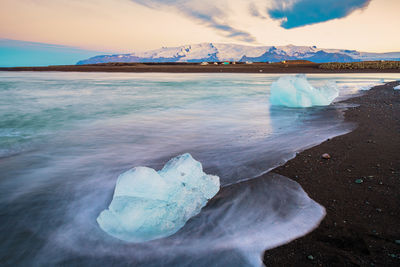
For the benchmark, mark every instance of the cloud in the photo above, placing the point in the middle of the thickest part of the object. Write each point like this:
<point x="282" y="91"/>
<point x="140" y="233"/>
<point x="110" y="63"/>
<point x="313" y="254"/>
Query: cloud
<point x="291" y="13"/>
<point x="297" y="13"/>
<point x="207" y="12"/>
<point x="253" y="9"/>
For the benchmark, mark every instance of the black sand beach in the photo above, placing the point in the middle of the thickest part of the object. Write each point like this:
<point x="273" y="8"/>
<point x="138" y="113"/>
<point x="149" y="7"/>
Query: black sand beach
<point x="359" y="186"/>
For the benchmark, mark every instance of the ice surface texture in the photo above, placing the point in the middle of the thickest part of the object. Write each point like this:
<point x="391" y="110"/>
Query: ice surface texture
<point x="148" y="205"/>
<point x="397" y="87"/>
<point x="295" y="91"/>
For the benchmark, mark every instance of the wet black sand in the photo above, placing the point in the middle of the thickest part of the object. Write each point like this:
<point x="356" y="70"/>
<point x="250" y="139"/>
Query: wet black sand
<point x="359" y="186"/>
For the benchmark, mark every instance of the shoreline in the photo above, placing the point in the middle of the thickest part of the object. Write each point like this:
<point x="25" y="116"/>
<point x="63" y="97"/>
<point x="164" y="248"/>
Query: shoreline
<point x="196" y="68"/>
<point x="359" y="186"/>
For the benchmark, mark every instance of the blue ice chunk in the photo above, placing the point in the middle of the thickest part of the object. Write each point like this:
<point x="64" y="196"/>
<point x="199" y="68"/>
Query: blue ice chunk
<point x="296" y="91"/>
<point x="147" y="205"/>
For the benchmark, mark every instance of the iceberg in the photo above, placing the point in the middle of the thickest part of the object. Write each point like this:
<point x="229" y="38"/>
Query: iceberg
<point x="296" y="91"/>
<point x="397" y="87"/>
<point x="148" y="205"/>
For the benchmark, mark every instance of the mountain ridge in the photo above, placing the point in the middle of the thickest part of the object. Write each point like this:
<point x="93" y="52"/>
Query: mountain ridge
<point x="216" y="52"/>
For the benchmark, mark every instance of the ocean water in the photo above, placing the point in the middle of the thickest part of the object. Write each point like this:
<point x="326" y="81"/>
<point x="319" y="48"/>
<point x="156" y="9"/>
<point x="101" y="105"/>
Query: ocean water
<point x="65" y="138"/>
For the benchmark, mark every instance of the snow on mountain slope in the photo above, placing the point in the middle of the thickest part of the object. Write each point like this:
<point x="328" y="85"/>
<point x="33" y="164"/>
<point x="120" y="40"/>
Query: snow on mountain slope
<point x="229" y="52"/>
<point x="378" y="56"/>
<point x="194" y="51"/>
<point x="232" y="52"/>
<point x="298" y="51"/>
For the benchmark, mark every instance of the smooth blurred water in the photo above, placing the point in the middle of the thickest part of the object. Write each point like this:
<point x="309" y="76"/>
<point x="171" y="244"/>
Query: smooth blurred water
<point x="65" y="137"/>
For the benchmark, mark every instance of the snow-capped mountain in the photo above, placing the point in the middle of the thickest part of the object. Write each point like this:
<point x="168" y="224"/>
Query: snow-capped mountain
<point x="232" y="52"/>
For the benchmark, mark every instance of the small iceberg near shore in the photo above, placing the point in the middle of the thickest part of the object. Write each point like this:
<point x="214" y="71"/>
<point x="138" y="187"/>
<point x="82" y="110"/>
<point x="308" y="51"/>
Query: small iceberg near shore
<point x="396" y="87"/>
<point x="295" y="91"/>
<point x="148" y="205"/>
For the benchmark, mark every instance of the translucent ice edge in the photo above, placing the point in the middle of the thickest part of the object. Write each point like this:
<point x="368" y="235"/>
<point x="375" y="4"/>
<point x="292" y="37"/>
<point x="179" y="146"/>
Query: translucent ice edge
<point x="147" y="205"/>
<point x="296" y="91"/>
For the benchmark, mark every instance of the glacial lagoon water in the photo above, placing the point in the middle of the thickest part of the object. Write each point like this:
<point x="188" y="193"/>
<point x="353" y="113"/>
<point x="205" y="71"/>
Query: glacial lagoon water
<point x="65" y="138"/>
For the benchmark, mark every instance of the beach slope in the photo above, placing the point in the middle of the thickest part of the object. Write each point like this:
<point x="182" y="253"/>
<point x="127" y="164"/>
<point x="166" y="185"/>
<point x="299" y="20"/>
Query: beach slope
<point x="359" y="186"/>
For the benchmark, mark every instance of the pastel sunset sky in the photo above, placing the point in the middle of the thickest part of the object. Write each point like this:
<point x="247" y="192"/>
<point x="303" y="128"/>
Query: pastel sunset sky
<point x="128" y="25"/>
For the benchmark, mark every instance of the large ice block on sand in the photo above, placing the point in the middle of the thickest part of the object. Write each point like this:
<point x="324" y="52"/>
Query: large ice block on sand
<point x="396" y="87"/>
<point x="148" y="205"/>
<point x="296" y="91"/>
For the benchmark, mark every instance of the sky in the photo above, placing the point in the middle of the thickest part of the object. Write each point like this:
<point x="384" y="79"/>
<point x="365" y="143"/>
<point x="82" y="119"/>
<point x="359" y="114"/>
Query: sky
<point x="21" y="53"/>
<point x="124" y="26"/>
